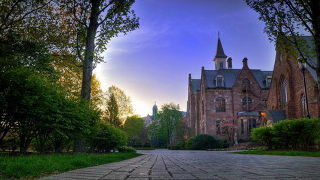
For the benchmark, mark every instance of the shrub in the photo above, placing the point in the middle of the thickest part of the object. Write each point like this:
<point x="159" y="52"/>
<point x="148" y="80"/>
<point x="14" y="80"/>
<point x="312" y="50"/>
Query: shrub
<point x="126" y="149"/>
<point x="189" y="143"/>
<point x="204" y="141"/>
<point x="223" y="144"/>
<point x="106" y="137"/>
<point x="263" y="135"/>
<point x="289" y="134"/>
<point x="179" y="146"/>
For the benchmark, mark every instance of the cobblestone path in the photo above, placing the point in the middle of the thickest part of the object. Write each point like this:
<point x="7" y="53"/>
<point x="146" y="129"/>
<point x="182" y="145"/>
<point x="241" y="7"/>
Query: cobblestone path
<point x="166" y="164"/>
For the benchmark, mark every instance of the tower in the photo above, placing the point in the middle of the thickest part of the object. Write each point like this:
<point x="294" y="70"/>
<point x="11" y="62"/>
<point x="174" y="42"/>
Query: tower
<point x="220" y="58"/>
<point x="154" y="111"/>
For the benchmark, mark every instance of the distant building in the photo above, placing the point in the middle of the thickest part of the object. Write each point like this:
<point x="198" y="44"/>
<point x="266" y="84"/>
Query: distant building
<point x="227" y="96"/>
<point x="149" y="119"/>
<point x="286" y="97"/>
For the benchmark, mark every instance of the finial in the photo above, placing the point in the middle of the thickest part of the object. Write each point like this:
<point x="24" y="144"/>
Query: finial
<point x="218" y="34"/>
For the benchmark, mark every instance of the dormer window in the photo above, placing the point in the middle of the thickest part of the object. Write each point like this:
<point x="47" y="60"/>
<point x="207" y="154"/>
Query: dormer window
<point x="268" y="81"/>
<point x="219" y="81"/>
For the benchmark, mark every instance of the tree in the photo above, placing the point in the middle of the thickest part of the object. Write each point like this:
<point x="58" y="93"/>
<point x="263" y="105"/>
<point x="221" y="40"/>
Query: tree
<point x="97" y="22"/>
<point x="286" y="21"/>
<point x="113" y="111"/>
<point x="123" y="102"/>
<point x="134" y="127"/>
<point x="169" y="118"/>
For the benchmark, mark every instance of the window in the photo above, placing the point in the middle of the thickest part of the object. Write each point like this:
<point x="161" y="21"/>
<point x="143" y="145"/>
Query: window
<point x="303" y="106"/>
<point x="220" y="66"/>
<point x="268" y="81"/>
<point x="219" y="81"/>
<point x="252" y="124"/>
<point x="242" y="127"/>
<point x="220" y="105"/>
<point x="246" y="100"/>
<point x="218" y="130"/>
<point x="280" y="56"/>
<point x="284" y="93"/>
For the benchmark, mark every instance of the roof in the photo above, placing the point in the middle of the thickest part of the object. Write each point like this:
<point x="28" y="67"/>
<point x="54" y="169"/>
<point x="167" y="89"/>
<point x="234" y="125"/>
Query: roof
<point x="195" y="85"/>
<point x="220" y="52"/>
<point x="276" y="115"/>
<point x="231" y="75"/>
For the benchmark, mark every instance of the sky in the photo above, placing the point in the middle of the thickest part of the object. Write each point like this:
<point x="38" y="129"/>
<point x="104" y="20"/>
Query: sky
<point x="178" y="37"/>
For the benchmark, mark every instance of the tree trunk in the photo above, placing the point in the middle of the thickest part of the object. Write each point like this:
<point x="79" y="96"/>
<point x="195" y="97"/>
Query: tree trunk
<point x="79" y="145"/>
<point x="315" y="6"/>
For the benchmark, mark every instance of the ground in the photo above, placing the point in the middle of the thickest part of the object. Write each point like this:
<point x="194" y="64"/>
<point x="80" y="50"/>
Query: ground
<point x="169" y="164"/>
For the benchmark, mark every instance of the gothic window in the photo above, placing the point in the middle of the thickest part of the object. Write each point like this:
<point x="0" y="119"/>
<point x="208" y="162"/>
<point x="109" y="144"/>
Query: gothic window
<point x="252" y="124"/>
<point x="219" y="81"/>
<point x="246" y="100"/>
<point x="220" y="105"/>
<point x="218" y="130"/>
<point x="242" y="127"/>
<point x="303" y="106"/>
<point x="284" y="93"/>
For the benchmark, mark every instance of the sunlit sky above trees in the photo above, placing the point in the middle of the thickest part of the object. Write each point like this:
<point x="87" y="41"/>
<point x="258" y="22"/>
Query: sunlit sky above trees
<point x="177" y="37"/>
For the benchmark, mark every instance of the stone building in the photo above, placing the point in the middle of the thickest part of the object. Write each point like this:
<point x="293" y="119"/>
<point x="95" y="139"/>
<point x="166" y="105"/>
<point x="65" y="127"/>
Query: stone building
<point x="227" y="98"/>
<point x="287" y="96"/>
<point x="149" y="119"/>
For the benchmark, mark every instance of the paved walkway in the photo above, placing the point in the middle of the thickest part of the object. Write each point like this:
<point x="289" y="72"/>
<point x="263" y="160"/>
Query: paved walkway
<point x="166" y="164"/>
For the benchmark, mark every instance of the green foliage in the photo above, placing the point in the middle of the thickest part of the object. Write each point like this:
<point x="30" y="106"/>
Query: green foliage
<point x="281" y="153"/>
<point x="169" y="119"/>
<point x="289" y="134"/>
<point x="204" y="141"/>
<point x="126" y="149"/>
<point x="137" y="134"/>
<point x="113" y="111"/>
<point x="35" y="166"/>
<point x="263" y="135"/>
<point x="189" y="143"/>
<point x="105" y="138"/>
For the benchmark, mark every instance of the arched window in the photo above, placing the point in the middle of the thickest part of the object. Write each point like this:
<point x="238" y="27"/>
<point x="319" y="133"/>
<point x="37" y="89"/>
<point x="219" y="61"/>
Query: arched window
<point x="284" y="93"/>
<point x="303" y="106"/>
<point x="221" y="65"/>
<point x="219" y="81"/>
<point x="220" y="105"/>
<point x="246" y="100"/>
<point x="245" y="82"/>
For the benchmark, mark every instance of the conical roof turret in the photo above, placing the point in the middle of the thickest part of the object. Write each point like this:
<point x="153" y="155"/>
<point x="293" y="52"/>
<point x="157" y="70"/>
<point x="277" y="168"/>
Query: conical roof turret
<point x="220" y="52"/>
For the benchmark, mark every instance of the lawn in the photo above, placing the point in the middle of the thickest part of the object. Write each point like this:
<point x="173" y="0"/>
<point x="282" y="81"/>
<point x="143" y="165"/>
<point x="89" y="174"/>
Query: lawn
<point x="34" y="166"/>
<point x="281" y="153"/>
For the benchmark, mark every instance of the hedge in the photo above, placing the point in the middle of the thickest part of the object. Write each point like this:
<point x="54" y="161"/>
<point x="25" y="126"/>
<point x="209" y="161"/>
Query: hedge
<point x="289" y="134"/>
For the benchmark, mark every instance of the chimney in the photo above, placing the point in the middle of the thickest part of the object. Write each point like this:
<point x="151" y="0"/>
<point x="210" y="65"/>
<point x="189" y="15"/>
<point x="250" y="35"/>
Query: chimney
<point x="245" y="62"/>
<point x="229" y="63"/>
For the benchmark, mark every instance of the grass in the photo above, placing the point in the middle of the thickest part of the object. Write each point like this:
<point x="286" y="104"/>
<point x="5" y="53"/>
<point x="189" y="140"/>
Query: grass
<point x="281" y="153"/>
<point x="34" y="166"/>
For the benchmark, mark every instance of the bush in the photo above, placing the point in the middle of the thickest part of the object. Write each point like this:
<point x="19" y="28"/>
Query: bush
<point x="289" y="134"/>
<point x="126" y="149"/>
<point x="204" y="141"/>
<point x="223" y="144"/>
<point x="106" y="137"/>
<point x="263" y="135"/>
<point x="189" y="143"/>
<point x="179" y="146"/>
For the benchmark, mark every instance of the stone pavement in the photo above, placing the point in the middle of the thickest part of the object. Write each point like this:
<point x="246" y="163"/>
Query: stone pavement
<point x="168" y="164"/>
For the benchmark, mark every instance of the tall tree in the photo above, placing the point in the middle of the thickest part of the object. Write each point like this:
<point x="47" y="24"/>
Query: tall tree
<point x="113" y="111"/>
<point x="123" y="101"/>
<point x="97" y="22"/>
<point x="170" y="118"/>
<point x="286" y="21"/>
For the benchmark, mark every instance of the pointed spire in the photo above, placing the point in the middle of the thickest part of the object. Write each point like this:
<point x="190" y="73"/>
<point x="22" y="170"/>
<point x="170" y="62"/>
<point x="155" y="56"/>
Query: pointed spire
<point x="220" y="52"/>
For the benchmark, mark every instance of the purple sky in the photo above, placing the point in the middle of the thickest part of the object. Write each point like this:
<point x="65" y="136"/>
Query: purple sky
<point x="177" y="37"/>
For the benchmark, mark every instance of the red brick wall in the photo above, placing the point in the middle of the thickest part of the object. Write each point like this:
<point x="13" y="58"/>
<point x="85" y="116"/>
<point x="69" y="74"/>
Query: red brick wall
<point x="289" y="69"/>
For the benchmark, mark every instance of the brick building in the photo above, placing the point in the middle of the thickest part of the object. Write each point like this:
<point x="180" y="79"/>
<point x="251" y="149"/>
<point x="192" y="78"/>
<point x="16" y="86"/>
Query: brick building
<point x="287" y="95"/>
<point x="227" y="97"/>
